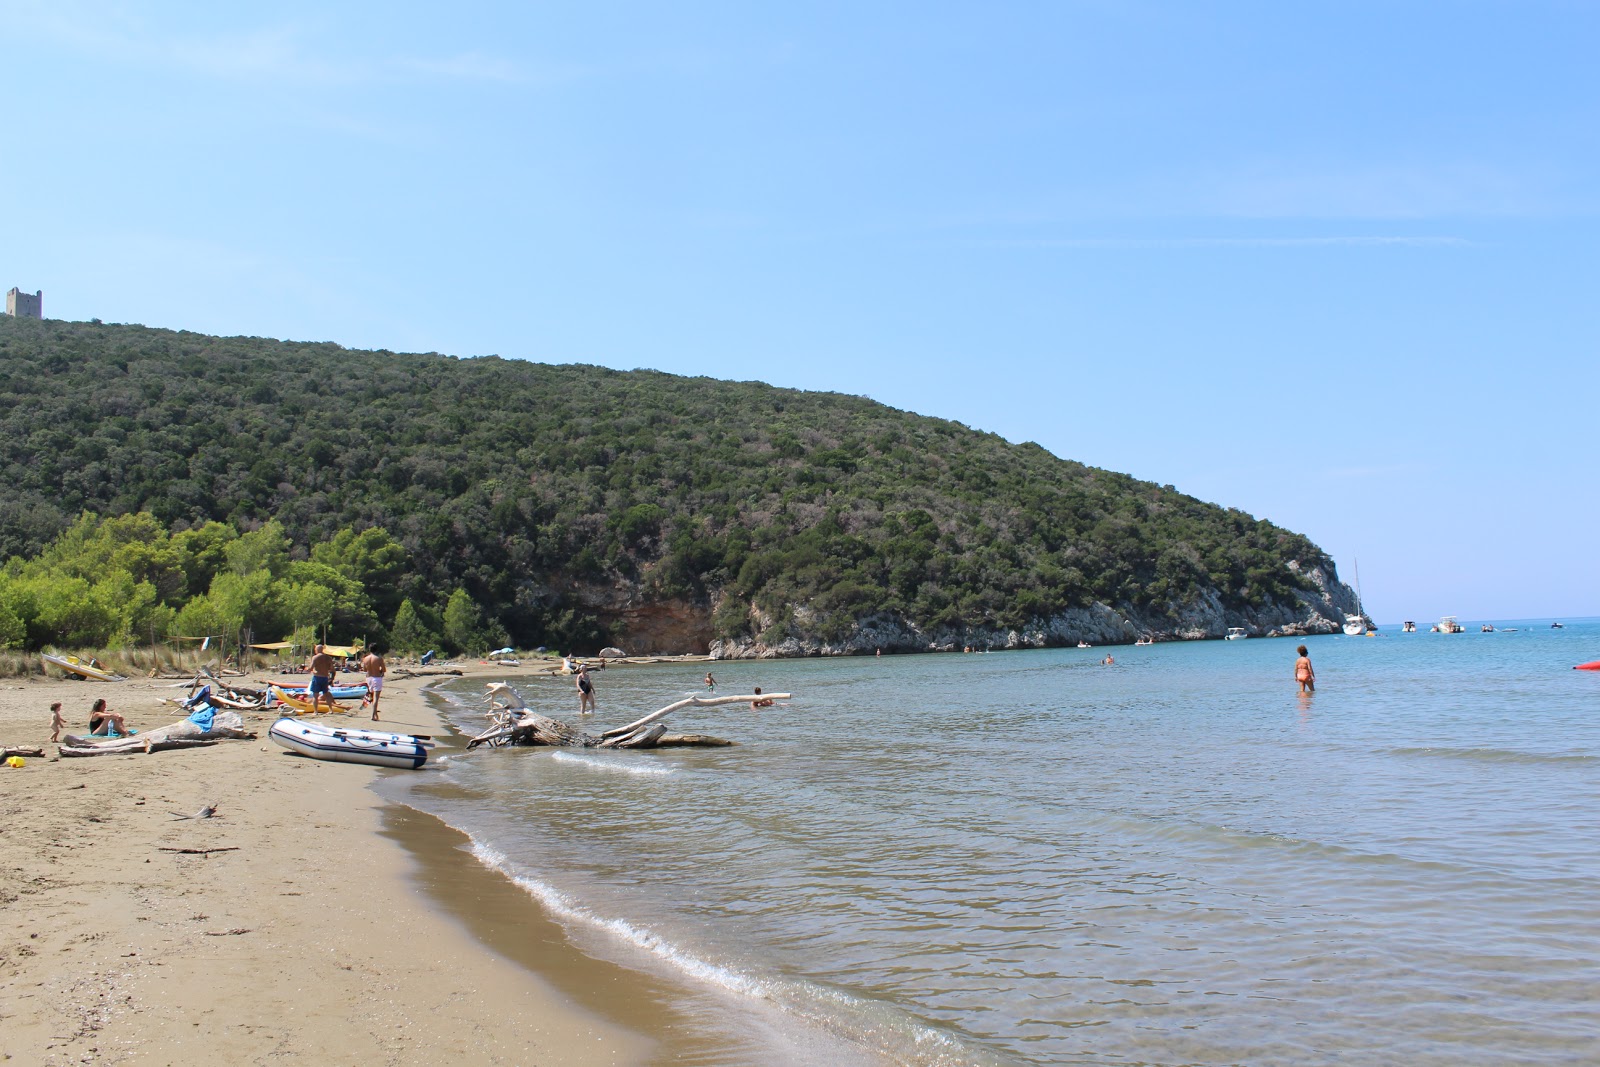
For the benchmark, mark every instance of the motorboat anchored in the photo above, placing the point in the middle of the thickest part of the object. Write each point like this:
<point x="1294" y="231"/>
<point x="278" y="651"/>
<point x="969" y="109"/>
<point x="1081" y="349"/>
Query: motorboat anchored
<point x="340" y="745"/>
<point x="1448" y="625"/>
<point x="1237" y="633"/>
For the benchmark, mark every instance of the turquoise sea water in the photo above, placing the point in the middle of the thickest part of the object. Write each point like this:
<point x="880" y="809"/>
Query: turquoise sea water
<point x="1034" y="858"/>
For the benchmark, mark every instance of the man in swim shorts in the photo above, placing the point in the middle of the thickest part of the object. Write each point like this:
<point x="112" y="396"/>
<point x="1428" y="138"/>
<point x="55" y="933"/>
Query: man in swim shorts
<point x="375" y="668"/>
<point x="321" y="678"/>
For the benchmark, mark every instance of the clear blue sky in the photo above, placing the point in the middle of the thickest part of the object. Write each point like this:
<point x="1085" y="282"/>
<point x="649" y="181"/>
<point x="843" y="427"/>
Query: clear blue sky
<point x="1333" y="263"/>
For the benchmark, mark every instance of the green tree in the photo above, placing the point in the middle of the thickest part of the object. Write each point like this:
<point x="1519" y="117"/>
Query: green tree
<point x="372" y="559"/>
<point x="202" y="552"/>
<point x="12" y="633"/>
<point x="410" y="633"/>
<point x="266" y="549"/>
<point x="462" y="623"/>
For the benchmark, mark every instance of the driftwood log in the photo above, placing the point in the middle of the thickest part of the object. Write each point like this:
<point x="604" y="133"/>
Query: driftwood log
<point x="181" y="734"/>
<point x="517" y="724"/>
<point x="20" y="750"/>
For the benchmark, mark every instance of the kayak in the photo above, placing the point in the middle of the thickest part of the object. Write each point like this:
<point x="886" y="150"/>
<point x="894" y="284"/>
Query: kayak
<point x="1592" y="666"/>
<point x="302" y="704"/>
<point x="337" y="692"/>
<point x="320" y="741"/>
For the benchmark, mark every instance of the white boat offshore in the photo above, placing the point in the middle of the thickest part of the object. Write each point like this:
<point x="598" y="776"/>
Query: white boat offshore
<point x="1237" y="633"/>
<point x="319" y="740"/>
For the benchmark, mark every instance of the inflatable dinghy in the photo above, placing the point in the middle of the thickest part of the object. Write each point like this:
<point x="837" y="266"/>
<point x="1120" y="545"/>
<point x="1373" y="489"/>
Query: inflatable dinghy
<point x="321" y="741"/>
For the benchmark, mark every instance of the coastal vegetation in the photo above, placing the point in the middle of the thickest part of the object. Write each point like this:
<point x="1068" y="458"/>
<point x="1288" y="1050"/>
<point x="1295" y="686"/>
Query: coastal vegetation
<point x="157" y="483"/>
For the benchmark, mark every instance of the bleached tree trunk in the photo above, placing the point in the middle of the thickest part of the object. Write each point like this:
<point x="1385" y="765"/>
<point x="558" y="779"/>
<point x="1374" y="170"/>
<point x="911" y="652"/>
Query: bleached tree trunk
<point x="526" y="726"/>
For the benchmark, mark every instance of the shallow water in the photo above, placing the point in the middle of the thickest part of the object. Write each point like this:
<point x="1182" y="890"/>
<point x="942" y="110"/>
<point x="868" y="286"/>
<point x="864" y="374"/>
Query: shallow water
<point x="1033" y="858"/>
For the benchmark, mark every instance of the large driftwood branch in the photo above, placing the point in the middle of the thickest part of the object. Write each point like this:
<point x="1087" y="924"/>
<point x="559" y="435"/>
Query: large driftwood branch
<point x="692" y="702"/>
<point x="645" y="738"/>
<point x="181" y="734"/>
<point x="151" y="745"/>
<point x="516" y="723"/>
<point x="20" y="750"/>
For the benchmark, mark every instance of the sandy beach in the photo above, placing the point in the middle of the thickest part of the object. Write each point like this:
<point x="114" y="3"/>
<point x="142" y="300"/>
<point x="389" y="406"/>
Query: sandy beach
<point x="305" y="935"/>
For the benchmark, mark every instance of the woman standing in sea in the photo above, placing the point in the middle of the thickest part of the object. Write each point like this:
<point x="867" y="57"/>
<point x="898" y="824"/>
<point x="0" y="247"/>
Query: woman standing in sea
<point x="1303" y="672"/>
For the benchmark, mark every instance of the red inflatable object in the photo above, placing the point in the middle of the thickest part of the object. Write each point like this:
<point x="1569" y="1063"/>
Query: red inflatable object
<point x="1595" y="666"/>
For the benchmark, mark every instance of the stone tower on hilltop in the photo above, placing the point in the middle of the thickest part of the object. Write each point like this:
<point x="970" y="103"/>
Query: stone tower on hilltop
<point x="24" y="306"/>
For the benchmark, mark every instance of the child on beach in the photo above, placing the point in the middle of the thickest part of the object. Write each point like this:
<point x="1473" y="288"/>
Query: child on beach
<point x="57" y="721"/>
<point x="1303" y="672"/>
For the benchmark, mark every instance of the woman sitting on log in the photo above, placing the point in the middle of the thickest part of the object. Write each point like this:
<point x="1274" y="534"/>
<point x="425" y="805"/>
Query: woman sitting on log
<point x="102" y="718"/>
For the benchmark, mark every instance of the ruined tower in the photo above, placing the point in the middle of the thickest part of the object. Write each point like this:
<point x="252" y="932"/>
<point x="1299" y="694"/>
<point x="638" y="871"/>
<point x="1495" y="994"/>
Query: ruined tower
<point x="24" y="306"/>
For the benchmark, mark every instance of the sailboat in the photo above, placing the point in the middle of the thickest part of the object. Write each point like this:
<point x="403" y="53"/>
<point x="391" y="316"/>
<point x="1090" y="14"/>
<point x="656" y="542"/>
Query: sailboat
<point x="1356" y="625"/>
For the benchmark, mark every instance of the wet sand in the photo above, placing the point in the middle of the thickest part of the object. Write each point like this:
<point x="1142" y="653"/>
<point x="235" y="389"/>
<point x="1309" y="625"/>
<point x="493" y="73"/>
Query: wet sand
<point x="324" y="925"/>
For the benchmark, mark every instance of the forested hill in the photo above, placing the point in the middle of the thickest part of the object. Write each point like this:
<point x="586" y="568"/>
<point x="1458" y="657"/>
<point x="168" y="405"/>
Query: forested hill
<point x="579" y="506"/>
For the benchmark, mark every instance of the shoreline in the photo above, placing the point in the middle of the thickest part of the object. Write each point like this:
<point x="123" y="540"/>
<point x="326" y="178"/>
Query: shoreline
<point x="311" y="928"/>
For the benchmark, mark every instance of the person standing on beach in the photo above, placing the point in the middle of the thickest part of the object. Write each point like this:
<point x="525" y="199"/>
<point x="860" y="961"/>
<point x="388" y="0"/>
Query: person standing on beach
<point x="585" y="692"/>
<point x="321" y="677"/>
<point x="57" y="721"/>
<point x="1303" y="672"/>
<point x="373" y="665"/>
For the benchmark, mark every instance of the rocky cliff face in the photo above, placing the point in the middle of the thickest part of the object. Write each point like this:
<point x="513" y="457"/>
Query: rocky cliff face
<point x="683" y="627"/>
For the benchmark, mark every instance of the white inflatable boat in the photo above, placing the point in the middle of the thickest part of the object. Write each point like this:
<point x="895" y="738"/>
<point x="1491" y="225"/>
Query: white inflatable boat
<point x="319" y="740"/>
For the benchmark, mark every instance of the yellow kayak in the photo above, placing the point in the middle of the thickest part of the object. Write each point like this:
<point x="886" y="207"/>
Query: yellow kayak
<point x="302" y="705"/>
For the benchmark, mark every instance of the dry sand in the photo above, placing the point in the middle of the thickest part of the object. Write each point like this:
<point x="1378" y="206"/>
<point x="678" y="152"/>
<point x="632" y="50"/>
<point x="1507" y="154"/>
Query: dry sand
<point x="309" y="941"/>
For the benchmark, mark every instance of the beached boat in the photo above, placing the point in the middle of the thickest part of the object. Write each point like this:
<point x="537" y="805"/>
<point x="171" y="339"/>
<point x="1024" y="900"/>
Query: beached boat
<point x="337" y="692"/>
<point x="321" y="741"/>
<point x="73" y="665"/>
<point x="1237" y="633"/>
<point x="302" y="705"/>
